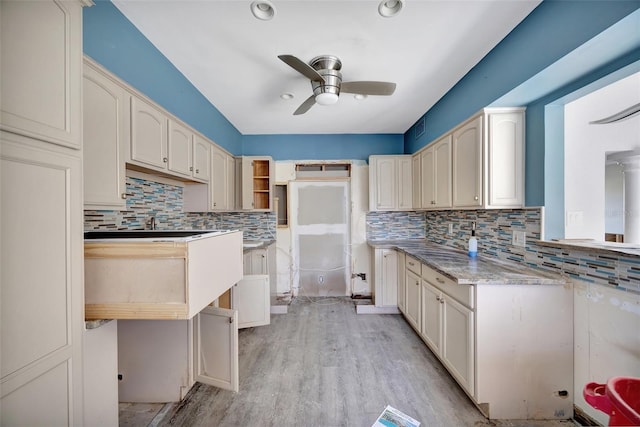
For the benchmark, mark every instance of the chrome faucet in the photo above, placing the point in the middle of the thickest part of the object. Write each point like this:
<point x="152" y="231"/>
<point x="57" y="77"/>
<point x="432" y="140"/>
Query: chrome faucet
<point x="152" y="223"/>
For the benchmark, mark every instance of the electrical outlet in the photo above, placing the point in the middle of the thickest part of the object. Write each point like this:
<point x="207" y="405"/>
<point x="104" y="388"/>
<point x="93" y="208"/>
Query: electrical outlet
<point x="450" y="228"/>
<point x="519" y="238"/>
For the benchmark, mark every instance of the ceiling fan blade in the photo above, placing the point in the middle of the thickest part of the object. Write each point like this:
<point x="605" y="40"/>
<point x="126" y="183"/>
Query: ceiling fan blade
<point x="369" y="88"/>
<point x="302" y="67"/>
<point x="304" y="107"/>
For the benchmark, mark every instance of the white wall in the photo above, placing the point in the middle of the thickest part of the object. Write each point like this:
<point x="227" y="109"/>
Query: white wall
<point x="360" y="251"/>
<point x="586" y="147"/>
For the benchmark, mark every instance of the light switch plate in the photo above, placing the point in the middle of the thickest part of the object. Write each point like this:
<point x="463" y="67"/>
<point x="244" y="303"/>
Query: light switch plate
<point x="519" y="238"/>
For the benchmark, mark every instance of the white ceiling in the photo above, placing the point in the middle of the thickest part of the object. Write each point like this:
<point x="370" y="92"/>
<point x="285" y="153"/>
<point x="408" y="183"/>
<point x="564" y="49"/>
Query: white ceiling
<point x="231" y="57"/>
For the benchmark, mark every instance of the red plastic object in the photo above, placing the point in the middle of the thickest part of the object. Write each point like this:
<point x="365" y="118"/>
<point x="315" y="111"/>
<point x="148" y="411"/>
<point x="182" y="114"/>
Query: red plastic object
<point x="619" y="398"/>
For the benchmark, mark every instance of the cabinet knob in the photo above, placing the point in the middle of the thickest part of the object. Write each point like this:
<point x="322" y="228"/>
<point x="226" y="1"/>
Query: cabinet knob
<point x="123" y="195"/>
<point x="165" y="160"/>
<point x="441" y="300"/>
<point x="197" y="170"/>
<point x="475" y="198"/>
<point x="190" y="168"/>
<point x="439" y="280"/>
<point x="437" y="298"/>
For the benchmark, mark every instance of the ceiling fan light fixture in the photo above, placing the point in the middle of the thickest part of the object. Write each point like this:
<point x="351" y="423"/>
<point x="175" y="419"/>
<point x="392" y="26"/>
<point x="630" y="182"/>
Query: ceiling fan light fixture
<point x="286" y="96"/>
<point x="326" y="98"/>
<point x="263" y="10"/>
<point x="389" y="8"/>
<point x="360" y="97"/>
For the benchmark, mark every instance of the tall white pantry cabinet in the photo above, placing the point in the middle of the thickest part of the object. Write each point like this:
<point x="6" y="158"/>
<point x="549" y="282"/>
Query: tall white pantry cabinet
<point x="42" y="303"/>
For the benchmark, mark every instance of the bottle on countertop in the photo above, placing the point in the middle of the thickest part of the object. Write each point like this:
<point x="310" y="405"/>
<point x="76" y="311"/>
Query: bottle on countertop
<point x="473" y="242"/>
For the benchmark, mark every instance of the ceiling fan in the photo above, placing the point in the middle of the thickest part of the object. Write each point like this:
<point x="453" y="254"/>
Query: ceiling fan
<point x="326" y="81"/>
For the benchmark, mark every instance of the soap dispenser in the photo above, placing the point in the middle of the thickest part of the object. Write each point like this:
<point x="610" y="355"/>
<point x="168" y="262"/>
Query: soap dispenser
<point x="473" y="242"/>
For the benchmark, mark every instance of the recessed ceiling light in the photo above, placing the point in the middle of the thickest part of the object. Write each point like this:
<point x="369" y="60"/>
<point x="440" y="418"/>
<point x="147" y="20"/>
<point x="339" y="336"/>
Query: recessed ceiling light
<point x="389" y="8"/>
<point x="360" y="96"/>
<point x="263" y="10"/>
<point x="286" y="96"/>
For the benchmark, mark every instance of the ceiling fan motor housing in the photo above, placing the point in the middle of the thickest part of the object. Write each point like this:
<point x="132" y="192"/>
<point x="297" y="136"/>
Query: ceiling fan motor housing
<point x="328" y="67"/>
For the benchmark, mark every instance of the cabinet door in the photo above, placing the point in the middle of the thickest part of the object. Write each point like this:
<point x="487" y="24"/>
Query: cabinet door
<point x="201" y="159"/>
<point x="232" y="183"/>
<point x="42" y="303"/>
<point x="148" y="134"/>
<point x="105" y="135"/>
<point x="416" y="174"/>
<point x="385" y="189"/>
<point x="458" y="342"/>
<point x="41" y="74"/>
<point x="386" y="277"/>
<point x="250" y="297"/>
<point x="216" y="348"/>
<point x="402" y="288"/>
<point x="180" y="150"/>
<point x="219" y="185"/>
<point x="442" y="173"/>
<point x="427" y="170"/>
<point x="259" y="261"/>
<point x="404" y="183"/>
<point x="506" y="159"/>
<point x="413" y="299"/>
<point x="431" y="316"/>
<point x="467" y="164"/>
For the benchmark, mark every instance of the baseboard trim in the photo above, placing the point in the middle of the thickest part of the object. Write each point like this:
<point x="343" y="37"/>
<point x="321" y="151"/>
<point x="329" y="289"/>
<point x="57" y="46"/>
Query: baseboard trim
<point x="582" y="418"/>
<point x="372" y="309"/>
<point x="279" y="309"/>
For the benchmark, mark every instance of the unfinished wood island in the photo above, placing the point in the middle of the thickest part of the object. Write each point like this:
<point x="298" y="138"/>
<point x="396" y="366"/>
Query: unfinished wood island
<point x="158" y="274"/>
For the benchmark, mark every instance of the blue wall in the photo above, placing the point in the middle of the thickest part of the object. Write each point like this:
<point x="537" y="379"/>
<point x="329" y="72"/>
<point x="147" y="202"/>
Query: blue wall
<point x="114" y="42"/>
<point x="552" y="30"/>
<point x="318" y="147"/>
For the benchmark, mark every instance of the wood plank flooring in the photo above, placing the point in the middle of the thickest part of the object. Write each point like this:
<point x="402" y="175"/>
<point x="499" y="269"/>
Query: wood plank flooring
<point x="323" y="365"/>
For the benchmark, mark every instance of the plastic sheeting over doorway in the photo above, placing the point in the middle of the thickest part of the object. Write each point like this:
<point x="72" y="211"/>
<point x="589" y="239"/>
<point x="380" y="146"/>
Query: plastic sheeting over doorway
<point x="320" y="237"/>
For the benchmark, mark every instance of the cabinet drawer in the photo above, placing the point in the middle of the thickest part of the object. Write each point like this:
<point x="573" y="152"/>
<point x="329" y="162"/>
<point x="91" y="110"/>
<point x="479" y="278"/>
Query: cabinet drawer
<point x="413" y="264"/>
<point x="461" y="293"/>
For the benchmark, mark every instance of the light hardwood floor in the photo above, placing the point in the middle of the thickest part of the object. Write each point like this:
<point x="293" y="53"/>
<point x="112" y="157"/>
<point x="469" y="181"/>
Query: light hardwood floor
<point x="323" y="365"/>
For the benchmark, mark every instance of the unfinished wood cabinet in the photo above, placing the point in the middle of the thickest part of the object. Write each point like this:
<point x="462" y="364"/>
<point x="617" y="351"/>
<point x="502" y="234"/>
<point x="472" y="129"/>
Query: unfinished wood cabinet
<point x="163" y="279"/>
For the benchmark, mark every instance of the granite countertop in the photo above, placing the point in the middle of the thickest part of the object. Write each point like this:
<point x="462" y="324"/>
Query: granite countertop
<point x="459" y="267"/>
<point x="250" y="245"/>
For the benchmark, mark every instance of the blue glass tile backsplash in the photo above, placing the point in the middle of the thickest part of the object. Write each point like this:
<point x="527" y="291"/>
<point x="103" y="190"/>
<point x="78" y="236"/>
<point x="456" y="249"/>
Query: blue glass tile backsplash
<point x="146" y="199"/>
<point x="494" y="230"/>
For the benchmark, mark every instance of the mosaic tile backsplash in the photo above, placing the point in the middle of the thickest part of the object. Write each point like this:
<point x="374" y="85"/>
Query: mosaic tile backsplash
<point x="146" y="199"/>
<point x="494" y="230"/>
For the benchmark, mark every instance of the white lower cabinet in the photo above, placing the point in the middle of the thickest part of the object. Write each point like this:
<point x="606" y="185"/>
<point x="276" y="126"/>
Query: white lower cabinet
<point x="402" y="280"/>
<point x="495" y="341"/>
<point x="160" y="360"/>
<point x="412" y="303"/>
<point x="250" y="297"/>
<point x="385" y="278"/>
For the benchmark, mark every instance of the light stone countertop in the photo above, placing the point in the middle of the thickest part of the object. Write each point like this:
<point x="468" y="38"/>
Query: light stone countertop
<point x="251" y="245"/>
<point x="464" y="270"/>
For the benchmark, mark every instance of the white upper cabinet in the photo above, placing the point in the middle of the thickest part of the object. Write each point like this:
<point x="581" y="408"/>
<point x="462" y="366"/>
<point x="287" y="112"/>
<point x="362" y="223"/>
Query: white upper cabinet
<point x="148" y="135"/>
<point x="41" y="59"/>
<point x="164" y="144"/>
<point x="201" y="160"/>
<point x="505" y="159"/>
<point x="435" y="172"/>
<point x="390" y="183"/>
<point x="477" y="165"/>
<point x="105" y="136"/>
<point x="220" y="187"/>
<point x="416" y="180"/>
<point x="467" y="164"/>
<point x="179" y="149"/>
